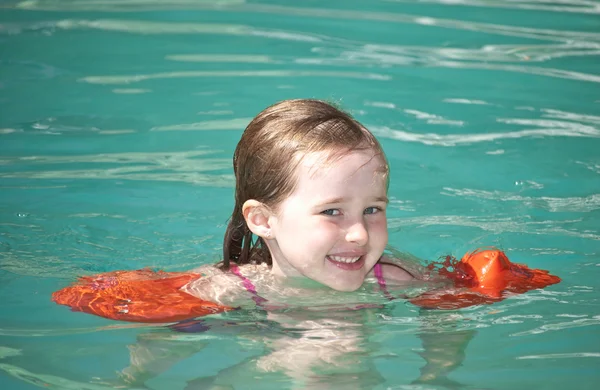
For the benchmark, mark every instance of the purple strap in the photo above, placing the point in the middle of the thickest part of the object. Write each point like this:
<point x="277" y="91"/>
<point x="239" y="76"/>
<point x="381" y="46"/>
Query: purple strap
<point x="248" y="285"/>
<point x="378" y="271"/>
<point x="379" y="275"/>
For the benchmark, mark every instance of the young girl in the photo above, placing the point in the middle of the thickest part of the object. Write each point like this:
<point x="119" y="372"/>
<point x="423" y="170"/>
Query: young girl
<point x="308" y="226"/>
<point x="311" y="186"/>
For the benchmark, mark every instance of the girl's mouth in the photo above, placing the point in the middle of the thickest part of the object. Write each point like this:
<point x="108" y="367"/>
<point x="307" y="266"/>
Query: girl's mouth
<point x="349" y="263"/>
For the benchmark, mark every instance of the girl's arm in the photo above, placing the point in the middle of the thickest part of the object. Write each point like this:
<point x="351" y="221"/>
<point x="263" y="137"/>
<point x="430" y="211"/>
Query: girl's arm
<point x="443" y="349"/>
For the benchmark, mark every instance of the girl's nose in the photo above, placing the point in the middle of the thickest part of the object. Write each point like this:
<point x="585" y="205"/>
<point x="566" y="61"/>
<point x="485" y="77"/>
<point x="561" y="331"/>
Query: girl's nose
<point x="357" y="233"/>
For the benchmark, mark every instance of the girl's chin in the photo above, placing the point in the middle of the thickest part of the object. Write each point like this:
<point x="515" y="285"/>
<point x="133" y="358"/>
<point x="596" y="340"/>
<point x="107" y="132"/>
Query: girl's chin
<point x="346" y="287"/>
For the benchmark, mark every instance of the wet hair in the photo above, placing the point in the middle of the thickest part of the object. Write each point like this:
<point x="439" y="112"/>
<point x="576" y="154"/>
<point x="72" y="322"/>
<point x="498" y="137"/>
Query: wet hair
<point x="266" y="158"/>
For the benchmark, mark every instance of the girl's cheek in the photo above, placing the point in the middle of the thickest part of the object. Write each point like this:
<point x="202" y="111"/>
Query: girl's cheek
<point x="378" y="221"/>
<point x="326" y="224"/>
<point x="325" y="230"/>
<point x="379" y="230"/>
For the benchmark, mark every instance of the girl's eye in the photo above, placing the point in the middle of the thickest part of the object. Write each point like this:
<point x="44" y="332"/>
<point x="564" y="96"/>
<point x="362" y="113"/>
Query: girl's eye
<point x="372" y="210"/>
<point x="331" y="212"/>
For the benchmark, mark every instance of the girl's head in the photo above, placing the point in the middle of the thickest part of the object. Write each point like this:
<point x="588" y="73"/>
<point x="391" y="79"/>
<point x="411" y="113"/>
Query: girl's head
<point x="282" y="142"/>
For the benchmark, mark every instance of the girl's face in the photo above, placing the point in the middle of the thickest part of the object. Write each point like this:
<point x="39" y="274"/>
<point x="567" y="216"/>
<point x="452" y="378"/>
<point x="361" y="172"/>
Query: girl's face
<point x="333" y="227"/>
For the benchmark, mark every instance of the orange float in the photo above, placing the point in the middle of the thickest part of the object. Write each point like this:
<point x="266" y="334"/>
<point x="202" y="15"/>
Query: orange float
<point x="482" y="277"/>
<point x="137" y="296"/>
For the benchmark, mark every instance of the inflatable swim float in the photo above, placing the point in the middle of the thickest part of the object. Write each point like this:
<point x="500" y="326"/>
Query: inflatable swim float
<point x="483" y="276"/>
<point x="480" y="277"/>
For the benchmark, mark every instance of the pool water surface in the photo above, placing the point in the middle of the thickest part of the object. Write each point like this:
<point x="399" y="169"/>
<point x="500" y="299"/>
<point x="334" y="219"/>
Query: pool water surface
<point x="118" y="120"/>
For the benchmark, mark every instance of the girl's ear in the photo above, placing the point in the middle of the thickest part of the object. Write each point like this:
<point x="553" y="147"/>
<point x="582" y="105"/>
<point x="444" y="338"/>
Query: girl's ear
<point x="257" y="216"/>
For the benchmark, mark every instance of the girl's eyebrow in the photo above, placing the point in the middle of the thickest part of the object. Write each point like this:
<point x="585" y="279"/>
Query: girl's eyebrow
<point x="383" y="199"/>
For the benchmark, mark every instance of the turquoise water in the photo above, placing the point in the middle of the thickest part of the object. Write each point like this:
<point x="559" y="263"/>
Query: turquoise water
<point x="118" y="120"/>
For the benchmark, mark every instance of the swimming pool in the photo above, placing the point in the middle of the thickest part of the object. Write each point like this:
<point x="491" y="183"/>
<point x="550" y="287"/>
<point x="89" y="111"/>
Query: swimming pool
<point x="118" y="120"/>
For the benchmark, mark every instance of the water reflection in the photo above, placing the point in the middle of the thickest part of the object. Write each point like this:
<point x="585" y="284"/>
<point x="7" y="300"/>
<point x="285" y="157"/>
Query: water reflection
<point x="44" y="245"/>
<point x="577" y="323"/>
<point x="581" y="204"/>
<point x="161" y="166"/>
<point x="239" y="73"/>
<point x="237" y="58"/>
<point x="541" y="128"/>
<point x="576" y="6"/>
<point x="225" y="124"/>
<point x="497" y="225"/>
<point x="341" y="52"/>
<point x="525" y="32"/>
<point x="121" y="5"/>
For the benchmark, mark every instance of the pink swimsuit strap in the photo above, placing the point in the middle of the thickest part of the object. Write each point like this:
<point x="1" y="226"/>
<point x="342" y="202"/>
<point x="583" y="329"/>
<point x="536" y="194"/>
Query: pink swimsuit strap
<point x="378" y="271"/>
<point x="248" y="285"/>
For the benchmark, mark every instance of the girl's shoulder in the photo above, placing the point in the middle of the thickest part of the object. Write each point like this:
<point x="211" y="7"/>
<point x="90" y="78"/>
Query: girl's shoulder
<point x="210" y="271"/>
<point x="224" y="287"/>
<point x="393" y="272"/>
<point x="398" y="270"/>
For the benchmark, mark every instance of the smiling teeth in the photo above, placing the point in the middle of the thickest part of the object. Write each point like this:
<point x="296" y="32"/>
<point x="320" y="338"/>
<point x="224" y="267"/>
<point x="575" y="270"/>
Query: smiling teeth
<point x="344" y="259"/>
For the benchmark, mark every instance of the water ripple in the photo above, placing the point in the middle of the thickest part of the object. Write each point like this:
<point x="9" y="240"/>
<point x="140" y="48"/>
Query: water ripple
<point x="331" y="51"/>
<point x="237" y="58"/>
<point x="128" y="79"/>
<point x="225" y="124"/>
<point x="147" y="27"/>
<point x="131" y="91"/>
<point x="575" y="6"/>
<point x="429" y="118"/>
<point x="571" y="116"/>
<point x="584" y="204"/>
<point x="122" y="5"/>
<point x="158" y="166"/>
<point x="493" y="58"/>
<point x="524" y="32"/>
<point x="79" y="123"/>
<point x="516" y="319"/>
<point x="544" y="129"/>
<point x="433" y="119"/>
<point x="465" y="101"/>
<point x="494" y="224"/>
<point x="426" y="55"/>
<point x="580" y="322"/>
<point x="594" y="167"/>
<point x="158" y="158"/>
<point x="560" y="355"/>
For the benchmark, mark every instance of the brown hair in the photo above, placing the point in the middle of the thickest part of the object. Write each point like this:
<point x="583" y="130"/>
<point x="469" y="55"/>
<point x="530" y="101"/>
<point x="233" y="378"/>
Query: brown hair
<point x="265" y="161"/>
